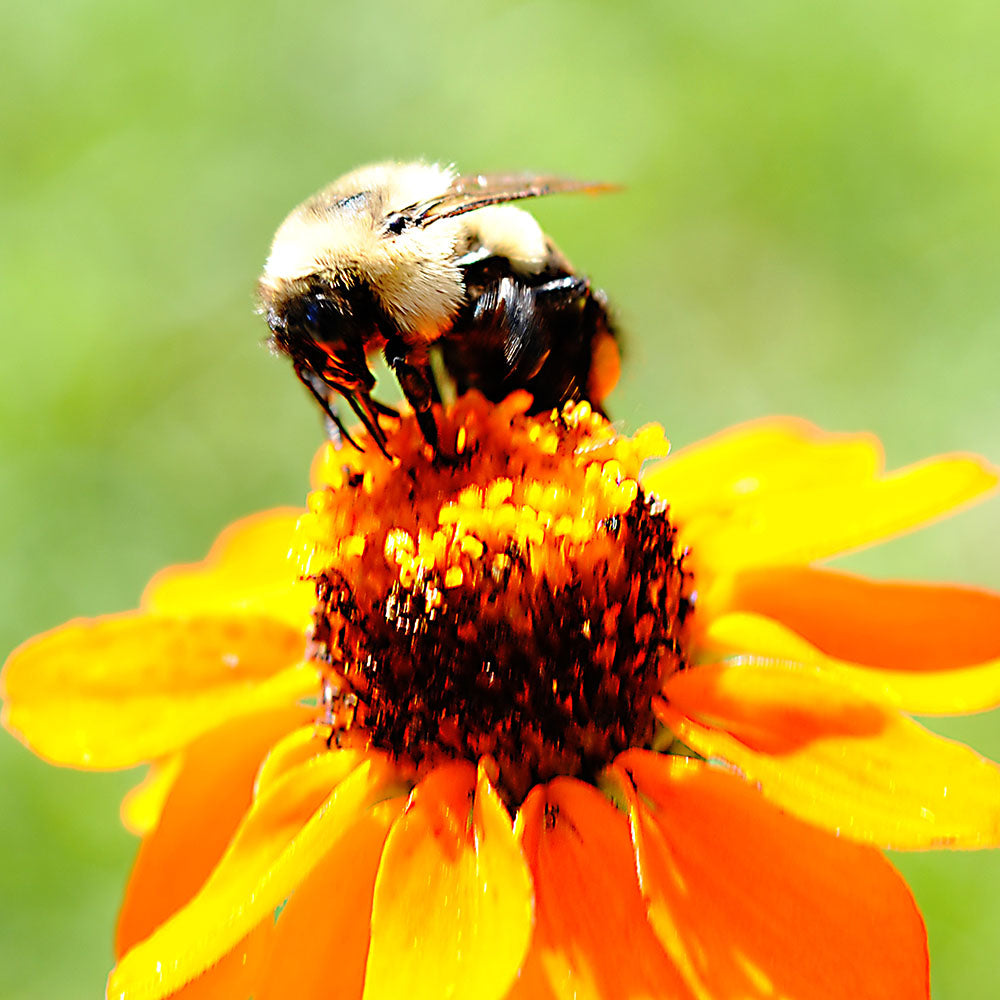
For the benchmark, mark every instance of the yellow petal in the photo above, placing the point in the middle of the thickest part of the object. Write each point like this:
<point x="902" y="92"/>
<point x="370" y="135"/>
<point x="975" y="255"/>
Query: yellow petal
<point x="773" y="455"/>
<point x="286" y="834"/>
<point x="320" y="940"/>
<point x="123" y="689"/>
<point x="142" y="805"/>
<point x="296" y="748"/>
<point x="453" y="905"/>
<point x="247" y="569"/>
<point x="207" y="801"/>
<point x="806" y="525"/>
<point x="922" y="692"/>
<point x="836" y="756"/>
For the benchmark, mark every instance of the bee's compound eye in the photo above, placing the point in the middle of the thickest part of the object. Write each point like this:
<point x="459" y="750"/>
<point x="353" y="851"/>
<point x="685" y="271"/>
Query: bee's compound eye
<point x="311" y="315"/>
<point x="319" y="317"/>
<point x="321" y="321"/>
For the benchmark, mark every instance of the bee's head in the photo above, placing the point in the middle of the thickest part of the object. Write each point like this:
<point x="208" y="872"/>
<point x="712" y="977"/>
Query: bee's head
<point x="329" y="333"/>
<point x="325" y="331"/>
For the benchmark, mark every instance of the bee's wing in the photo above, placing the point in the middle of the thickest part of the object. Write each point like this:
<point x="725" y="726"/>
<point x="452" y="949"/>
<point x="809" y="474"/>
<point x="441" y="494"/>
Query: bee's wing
<point x="466" y="194"/>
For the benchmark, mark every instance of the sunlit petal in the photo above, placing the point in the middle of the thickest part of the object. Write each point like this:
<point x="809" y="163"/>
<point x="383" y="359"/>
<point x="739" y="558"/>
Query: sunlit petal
<point x="772" y="455"/>
<point x="207" y="800"/>
<point x="320" y="939"/>
<point x="802" y="526"/>
<point x="900" y="626"/>
<point x="532" y="982"/>
<point x="247" y="569"/>
<point x="123" y="689"/>
<point x="295" y="748"/>
<point x="142" y="805"/>
<point x="592" y="938"/>
<point x="923" y="692"/>
<point x="453" y="904"/>
<point x="834" y="755"/>
<point x="767" y="906"/>
<point x="284" y="836"/>
<point x="238" y="974"/>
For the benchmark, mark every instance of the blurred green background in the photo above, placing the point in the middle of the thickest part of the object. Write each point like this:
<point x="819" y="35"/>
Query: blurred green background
<point x="811" y="224"/>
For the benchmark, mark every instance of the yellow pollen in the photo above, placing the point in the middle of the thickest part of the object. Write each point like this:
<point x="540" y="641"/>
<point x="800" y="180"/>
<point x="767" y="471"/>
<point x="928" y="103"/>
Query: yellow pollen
<point x="398" y="545"/>
<point x="472" y="547"/>
<point x="612" y="471"/>
<point x="529" y="599"/>
<point x="500" y="491"/>
<point x="353" y="546"/>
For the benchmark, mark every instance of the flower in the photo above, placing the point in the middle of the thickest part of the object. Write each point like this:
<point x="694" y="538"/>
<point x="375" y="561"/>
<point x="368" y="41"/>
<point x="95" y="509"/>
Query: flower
<point x="560" y="728"/>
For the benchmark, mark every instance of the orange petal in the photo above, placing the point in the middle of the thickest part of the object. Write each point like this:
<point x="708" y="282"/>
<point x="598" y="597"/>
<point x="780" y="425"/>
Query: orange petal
<point x="239" y="972"/>
<point x="123" y="689"/>
<point x="592" y="938"/>
<point x="776" y="454"/>
<point x="835" y="756"/>
<point x="142" y="806"/>
<point x="321" y="936"/>
<point x="901" y="626"/>
<point x="204" y="806"/>
<point x="452" y="911"/>
<point x="767" y="906"/>
<point x="531" y="982"/>
<point x="286" y="834"/>
<point x="805" y="525"/>
<point x="923" y="692"/>
<point x="248" y="568"/>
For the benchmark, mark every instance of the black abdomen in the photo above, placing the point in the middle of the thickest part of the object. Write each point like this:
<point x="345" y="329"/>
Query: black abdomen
<point x="547" y="333"/>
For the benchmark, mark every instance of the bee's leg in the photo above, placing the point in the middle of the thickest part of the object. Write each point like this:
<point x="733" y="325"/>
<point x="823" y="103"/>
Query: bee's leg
<point x="566" y="290"/>
<point x="335" y="429"/>
<point x="442" y="381"/>
<point x="333" y="432"/>
<point x="418" y="388"/>
<point x="384" y="409"/>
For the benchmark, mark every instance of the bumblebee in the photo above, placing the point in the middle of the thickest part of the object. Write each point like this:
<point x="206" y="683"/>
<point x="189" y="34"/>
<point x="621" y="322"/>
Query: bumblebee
<point x="432" y="268"/>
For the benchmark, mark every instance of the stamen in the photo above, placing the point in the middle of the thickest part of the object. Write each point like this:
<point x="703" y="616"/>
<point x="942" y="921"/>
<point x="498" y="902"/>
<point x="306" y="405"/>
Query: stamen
<point x="526" y="604"/>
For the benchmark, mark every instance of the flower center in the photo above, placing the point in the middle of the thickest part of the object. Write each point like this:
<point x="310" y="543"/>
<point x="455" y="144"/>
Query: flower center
<point x="525" y="603"/>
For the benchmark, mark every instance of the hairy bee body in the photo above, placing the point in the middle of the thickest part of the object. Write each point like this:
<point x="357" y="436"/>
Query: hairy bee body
<point x="403" y="258"/>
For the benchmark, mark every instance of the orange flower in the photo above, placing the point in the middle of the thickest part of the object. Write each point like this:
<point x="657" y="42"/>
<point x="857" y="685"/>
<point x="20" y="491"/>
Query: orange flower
<point x="553" y="734"/>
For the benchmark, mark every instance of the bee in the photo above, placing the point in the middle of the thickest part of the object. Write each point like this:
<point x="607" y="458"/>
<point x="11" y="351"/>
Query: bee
<point x="443" y="277"/>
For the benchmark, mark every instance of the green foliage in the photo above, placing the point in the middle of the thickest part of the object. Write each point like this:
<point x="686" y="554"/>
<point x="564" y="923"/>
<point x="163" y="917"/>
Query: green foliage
<point x="811" y="224"/>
